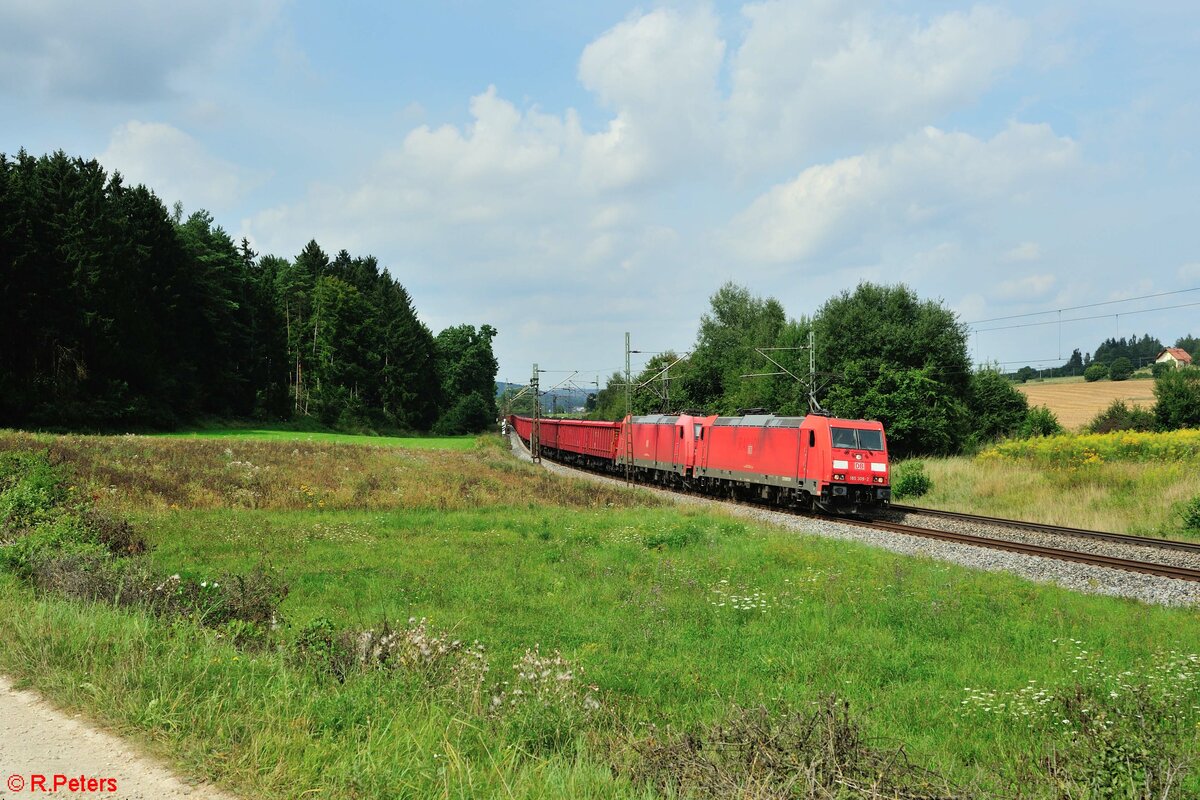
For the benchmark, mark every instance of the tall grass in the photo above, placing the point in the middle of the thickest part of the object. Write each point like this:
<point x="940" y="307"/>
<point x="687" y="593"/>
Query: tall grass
<point x="1126" y="482"/>
<point x="138" y="473"/>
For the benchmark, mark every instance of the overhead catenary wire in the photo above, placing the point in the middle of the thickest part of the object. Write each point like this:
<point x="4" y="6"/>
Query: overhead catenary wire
<point x="1084" y="319"/>
<point x="1077" y="308"/>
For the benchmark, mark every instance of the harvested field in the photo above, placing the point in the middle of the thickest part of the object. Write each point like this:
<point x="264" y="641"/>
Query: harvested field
<point x="1075" y="403"/>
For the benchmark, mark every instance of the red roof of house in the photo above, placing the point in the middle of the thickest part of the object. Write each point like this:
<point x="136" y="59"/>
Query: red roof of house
<point x="1179" y="353"/>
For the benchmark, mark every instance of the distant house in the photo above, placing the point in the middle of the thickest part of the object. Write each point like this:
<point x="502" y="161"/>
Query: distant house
<point x="1175" y="356"/>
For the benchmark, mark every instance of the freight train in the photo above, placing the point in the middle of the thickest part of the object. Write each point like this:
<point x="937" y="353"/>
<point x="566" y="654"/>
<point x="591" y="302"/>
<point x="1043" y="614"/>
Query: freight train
<point x="837" y="465"/>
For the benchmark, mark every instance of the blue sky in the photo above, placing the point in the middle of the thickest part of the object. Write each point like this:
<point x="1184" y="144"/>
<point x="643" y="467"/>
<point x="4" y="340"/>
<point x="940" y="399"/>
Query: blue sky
<point x="567" y="172"/>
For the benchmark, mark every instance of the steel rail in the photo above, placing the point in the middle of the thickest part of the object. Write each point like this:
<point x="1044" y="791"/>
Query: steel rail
<point x="1093" y="559"/>
<point x="1090" y="559"/>
<point x="1081" y="533"/>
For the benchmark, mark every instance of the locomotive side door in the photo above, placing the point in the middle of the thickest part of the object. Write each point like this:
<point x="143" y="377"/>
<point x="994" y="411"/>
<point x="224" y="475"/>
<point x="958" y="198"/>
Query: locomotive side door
<point x="677" y="448"/>
<point x="805" y="454"/>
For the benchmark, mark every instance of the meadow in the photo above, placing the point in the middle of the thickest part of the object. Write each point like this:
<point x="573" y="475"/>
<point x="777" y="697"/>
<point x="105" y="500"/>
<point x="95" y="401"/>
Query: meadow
<point x="285" y="434"/>
<point x="461" y="624"/>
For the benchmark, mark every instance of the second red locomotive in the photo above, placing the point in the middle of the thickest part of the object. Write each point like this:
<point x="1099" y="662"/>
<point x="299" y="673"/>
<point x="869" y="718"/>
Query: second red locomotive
<point x="835" y="464"/>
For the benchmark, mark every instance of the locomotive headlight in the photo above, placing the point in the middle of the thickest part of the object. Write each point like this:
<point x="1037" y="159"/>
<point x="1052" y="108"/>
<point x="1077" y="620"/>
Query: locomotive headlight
<point x="879" y="479"/>
<point x="839" y="476"/>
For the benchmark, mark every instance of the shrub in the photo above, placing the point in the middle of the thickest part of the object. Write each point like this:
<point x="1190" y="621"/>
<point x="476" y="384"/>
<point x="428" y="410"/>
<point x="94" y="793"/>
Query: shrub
<point x="87" y="571"/>
<point x="1120" y="369"/>
<point x="1096" y="372"/>
<point x="544" y="706"/>
<point x="1039" y="421"/>
<point x="1121" y="417"/>
<point x="31" y="491"/>
<point x="1191" y="515"/>
<point x="320" y="646"/>
<point x="910" y="480"/>
<point x="997" y="407"/>
<point x="1158" y="370"/>
<point x="1177" y="399"/>
<point x="819" y="752"/>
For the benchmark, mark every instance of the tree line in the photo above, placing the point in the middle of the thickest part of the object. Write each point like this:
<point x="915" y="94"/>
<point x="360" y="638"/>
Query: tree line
<point x="1113" y="357"/>
<point x="881" y="352"/>
<point x="117" y="312"/>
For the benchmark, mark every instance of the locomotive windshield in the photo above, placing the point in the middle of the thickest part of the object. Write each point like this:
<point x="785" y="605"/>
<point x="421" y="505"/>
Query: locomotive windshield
<point x="857" y="439"/>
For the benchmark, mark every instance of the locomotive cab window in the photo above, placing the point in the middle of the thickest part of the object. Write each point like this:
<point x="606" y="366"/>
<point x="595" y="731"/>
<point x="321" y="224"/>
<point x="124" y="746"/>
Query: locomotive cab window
<point x="698" y="431"/>
<point x="857" y="439"/>
<point x="812" y="438"/>
<point x="870" y="440"/>
<point x="844" y="437"/>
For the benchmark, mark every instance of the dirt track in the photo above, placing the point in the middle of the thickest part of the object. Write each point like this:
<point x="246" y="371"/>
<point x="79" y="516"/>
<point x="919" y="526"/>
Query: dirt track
<point x="38" y="740"/>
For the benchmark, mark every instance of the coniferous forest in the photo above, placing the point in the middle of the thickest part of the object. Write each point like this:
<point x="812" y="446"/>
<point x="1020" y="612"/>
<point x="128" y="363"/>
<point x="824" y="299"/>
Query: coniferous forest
<point x="116" y="312"/>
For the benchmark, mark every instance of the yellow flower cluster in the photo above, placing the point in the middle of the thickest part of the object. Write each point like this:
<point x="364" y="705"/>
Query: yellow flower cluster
<point x="1074" y="450"/>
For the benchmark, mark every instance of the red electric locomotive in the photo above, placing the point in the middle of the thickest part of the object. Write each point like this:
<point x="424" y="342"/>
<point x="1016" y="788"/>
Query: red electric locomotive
<point x="836" y="464"/>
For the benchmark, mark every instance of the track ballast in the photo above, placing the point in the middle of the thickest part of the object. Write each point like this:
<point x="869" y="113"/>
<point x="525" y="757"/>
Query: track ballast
<point x="1060" y="530"/>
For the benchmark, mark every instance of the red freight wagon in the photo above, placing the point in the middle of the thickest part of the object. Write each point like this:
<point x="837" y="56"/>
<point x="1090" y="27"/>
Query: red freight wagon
<point x="523" y="426"/>
<point x="598" y="439"/>
<point x="577" y="440"/>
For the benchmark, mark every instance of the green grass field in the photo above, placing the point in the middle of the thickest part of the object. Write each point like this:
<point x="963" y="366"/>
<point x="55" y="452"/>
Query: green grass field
<point x="677" y="617"/>
<point x="285" y="435"/>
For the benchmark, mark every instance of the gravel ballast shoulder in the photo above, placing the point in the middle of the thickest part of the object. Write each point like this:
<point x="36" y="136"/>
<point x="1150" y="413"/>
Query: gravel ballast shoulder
<point x="1078" y="577"/>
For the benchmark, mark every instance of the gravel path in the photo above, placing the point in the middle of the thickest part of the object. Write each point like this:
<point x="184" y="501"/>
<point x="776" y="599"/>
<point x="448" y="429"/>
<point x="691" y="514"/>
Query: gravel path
<point x="38" y="740"/>
<point x="1079" y="577"/>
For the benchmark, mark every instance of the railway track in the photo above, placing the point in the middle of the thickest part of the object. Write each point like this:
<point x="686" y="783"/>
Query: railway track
<point x="1093" y="559"/>
<point x="1080" y="533"/>
<point x="1009" y="545"/>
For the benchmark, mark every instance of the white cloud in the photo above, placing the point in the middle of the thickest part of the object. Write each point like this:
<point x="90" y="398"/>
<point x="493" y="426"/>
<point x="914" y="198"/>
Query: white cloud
<point x="174" y="165"/>
<point x="1031" y="287"/>
<point x="525" y="211"/>
<point x="1190" y="272"/>
<point x="814" y="75"/>
<point x="124" y="50"/>
<point x="1026" y="251"/>
<point x="919" y="181"/>
<point x="658" y="73"/>
<point x="512" y="187"/>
